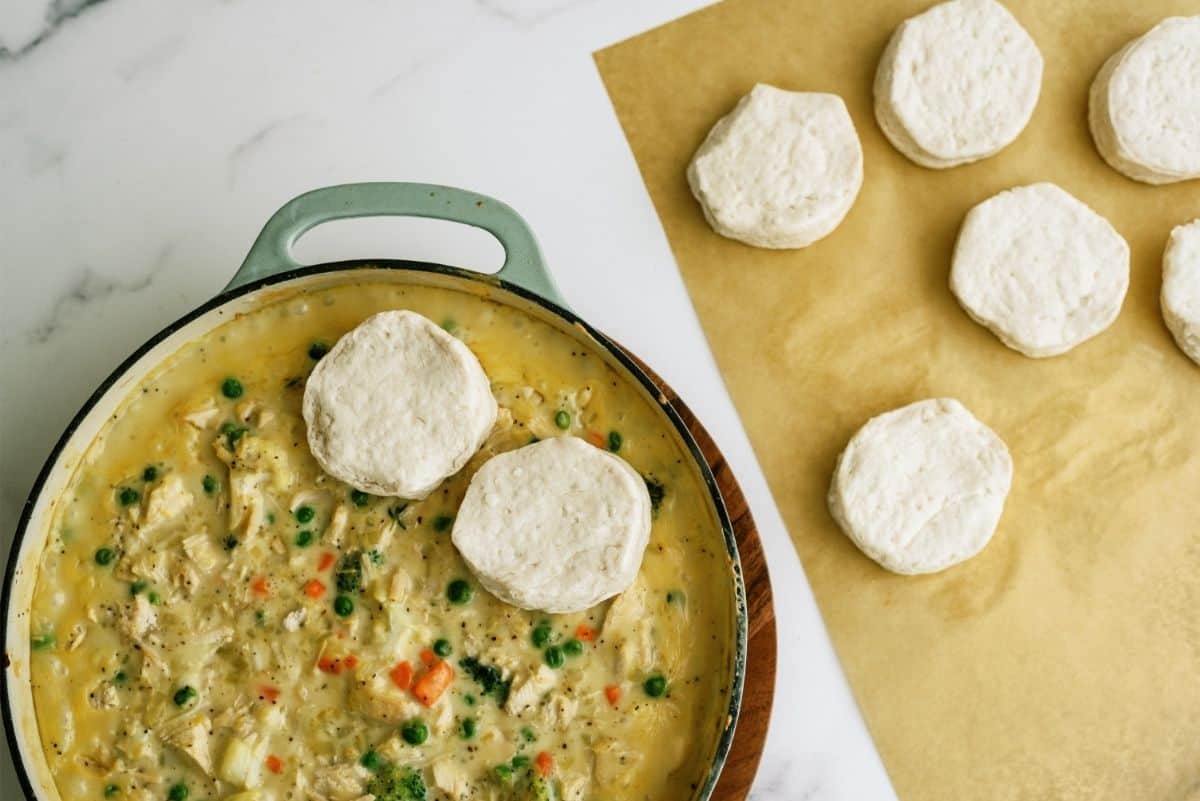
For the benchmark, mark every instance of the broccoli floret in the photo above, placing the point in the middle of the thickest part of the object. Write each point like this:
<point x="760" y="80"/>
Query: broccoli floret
<point x="488" y="677"/>
<point x="393" y="782"/>
<point x="541" y="790"/>
<point x="657" y="492"/>
<point x="349" y="572"/>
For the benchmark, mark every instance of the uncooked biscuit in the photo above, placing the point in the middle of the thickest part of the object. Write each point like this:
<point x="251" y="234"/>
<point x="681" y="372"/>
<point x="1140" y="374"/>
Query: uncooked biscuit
<point x="397" y="406"/>
<point x="558" y="526"/>
<point x="957" y="83"/>
<point x="1144" y="105"/>
<point x="921" y="488"/>
<point x="779" y="171"/>
<point x="1181" y="288"/>
<point x="1039" y="269"/>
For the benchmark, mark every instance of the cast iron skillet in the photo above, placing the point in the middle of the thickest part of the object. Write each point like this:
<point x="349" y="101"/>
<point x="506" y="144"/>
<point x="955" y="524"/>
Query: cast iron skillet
<point x="269" y="272"/>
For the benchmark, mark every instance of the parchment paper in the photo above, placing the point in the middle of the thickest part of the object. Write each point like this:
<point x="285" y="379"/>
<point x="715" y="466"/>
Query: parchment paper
<point x="1064" y="661"/>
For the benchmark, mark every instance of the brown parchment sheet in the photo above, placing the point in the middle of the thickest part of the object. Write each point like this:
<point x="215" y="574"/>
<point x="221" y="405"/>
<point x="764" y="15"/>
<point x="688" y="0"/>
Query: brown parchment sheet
<point x="1064" y="661"/>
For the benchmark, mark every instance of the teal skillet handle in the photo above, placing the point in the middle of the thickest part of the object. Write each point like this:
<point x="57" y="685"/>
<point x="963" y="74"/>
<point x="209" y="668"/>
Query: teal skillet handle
<point x="523" y="266"/>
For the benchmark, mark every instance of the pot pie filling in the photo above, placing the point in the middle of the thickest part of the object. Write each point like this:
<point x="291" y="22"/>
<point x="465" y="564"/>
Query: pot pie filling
<point x="216" y="618"/>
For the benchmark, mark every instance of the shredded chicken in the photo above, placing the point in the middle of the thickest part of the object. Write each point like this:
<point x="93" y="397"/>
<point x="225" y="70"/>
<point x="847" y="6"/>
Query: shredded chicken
<point x="377" y="700"/>
<point x="342" y="782"/>
<point x="529" y="690"/>
<point x="451" y="779"/>
<point x="166" y="501"/>
<point x="138" y="616"/>
<point x="203" y="416"/>
<point x="189" y="733"/>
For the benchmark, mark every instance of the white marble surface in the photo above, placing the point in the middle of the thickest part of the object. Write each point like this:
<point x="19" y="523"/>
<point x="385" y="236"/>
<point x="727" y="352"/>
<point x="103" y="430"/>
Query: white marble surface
<point x="143" y="143"/>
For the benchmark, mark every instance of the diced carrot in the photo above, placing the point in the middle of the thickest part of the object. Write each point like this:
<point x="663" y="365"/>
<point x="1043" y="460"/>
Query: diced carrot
<point x="260" y="586"/>
<point x="595" y="438"/>
<point x="428" y="657"/>
<point x="544" y="763"/>
<point x="350" y="661"/>
<point x="585" y="633"/>
<point x="314" y="589"/>
<point x="268" y="692"/>
<point x="402" y="675"/>
<point x="430" y="687"/>
<point x="328" y="664"/>
<point x="613" y="693"/>
<point x="274" y="764"/>
<point x="326" y="561"/>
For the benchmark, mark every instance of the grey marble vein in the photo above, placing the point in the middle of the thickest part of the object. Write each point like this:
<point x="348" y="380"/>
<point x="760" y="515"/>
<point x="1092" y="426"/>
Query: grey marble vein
<point x="45" y="156"/>
<point x="91" y="286"/>
<point x="527" y="13"/>
<point x="247" y="147"/>
<point x="57" y="13"/>
<point x="150" y="59"/>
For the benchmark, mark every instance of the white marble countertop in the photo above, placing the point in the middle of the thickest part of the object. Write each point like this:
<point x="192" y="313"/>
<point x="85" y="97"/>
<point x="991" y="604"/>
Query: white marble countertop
<point x="143" y="143"/>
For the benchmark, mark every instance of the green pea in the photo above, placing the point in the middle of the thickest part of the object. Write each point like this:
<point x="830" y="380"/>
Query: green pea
<point x="233" y="433"/>
<point x="675" y="596"/>
<point x="554" y="656"/>
<point x="415" y="732"/>
<point x="442" y="647"/>
<point x="305" y="514"/>
<point x="562" y="419"/>
<point x="150" y="473"/>
<point x="304" y="539"/>
<point x="138" y="586"/>
<point x="127" y="496"/>
<point x="466" y="729"/>
<point x="520" y="761"/>
<point x="111" y="790"/>
<point x="460" y="592"/>
<point x="119" y="677"/>
<point x="572" y="647"/>
<point x="178" y="792"/>
<point x="359" y="498"/>
<point x="343" y="606"/>
<point x="655" y="686"/>
<point x="230" y="542"/>
<point x="209" y="484"/>
<point x="371" y="761"/>
<point x="540" y="636"/>
<point x="184" y="694"/>
<point x="42" y="642"/>
<point x="449" y="326"/>
<point x="104" y="556"/>
<point x="614" y="441"/>
<point x="504" y="773"/>
<point x="469" y="699"/>
<point x="231" y="388"/>
<point x="316" y="350"/>
<point x="154" y="598"/>
<point x="441" y="524"/>
<point x="528" y="734"/>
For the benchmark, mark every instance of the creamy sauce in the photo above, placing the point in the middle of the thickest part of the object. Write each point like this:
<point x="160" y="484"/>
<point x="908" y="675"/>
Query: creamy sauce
<point x="194" y="628"/>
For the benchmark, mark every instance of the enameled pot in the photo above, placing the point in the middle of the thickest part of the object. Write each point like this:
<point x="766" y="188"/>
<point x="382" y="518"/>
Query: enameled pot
<point x="269" y="272"/>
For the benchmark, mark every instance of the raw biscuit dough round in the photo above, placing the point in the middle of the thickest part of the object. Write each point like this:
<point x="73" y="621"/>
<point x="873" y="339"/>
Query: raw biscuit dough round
<point x="1144" y="105"/>
<point x="397" y="406"/>
<point x="557" y="526"/>
<point x="779" y="171"/>
<point x="1181" y="288"/>
<point x="921" y="488"/>
<point x="1039" y="269"/>
<point x="957" y="83"/>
